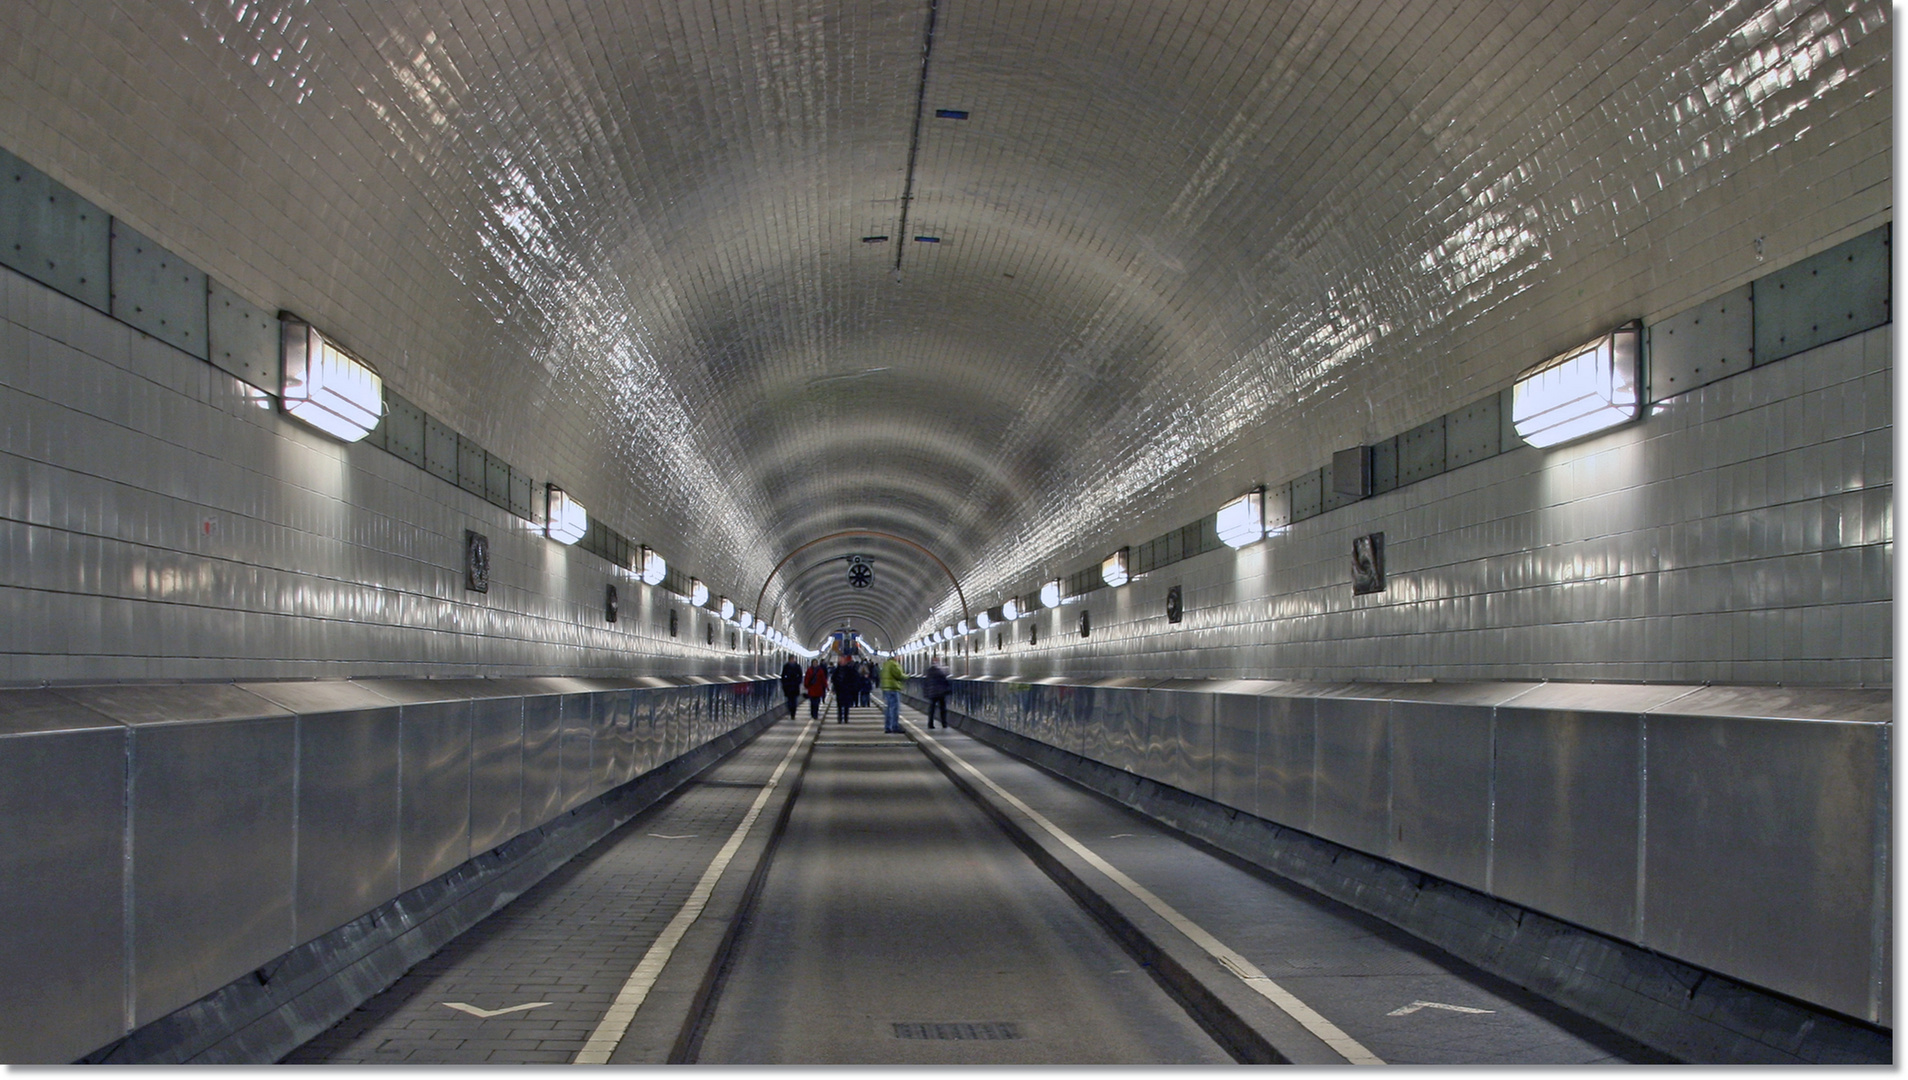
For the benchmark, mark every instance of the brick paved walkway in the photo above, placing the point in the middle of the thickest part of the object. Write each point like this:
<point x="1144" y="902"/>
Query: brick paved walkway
<point x="570" y="941"/>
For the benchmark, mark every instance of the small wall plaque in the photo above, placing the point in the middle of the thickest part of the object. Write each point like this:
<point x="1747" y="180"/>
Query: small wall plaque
<point x="476" y="561"/>
<point x="1368" y="563"/>
<point x="672" y="622"/>
<point x="609" y="603"/>
<point x="1175" y="605"/>
<point x="708" y="633"/>
<point x="1033" y="635"/>
<point x="1086" y="622"/>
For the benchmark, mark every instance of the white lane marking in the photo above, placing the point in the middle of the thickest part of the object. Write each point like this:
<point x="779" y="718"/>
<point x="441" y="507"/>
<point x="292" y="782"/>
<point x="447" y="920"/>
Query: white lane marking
<point x="615" y="1023"/>
<point x="485" y="1014"/>
<point x="1329" y="1033"/>
<point x="1416" y="1005"/>
<point x="666" y="836"/>
<point x="1117" y="835"/>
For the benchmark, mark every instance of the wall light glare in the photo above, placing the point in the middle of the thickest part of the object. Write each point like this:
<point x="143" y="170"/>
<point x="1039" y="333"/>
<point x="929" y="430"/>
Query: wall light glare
<point x="727" y="608"/>
<point x="1050" y="593"/>
<point x="1586" y="390"/>
<point x="744" y="620"/>
<point x="326" y="387"/>
<point x="651" y="567"/>
<point x="985" y="620"/>
<point x="961" y="629"/>
<point x="1242" y="521"/>
<point x="1011" y="610"/>
<point x="1113" y="570"/>
<point x="698" y="592"/>
<point x="564" y="519"/>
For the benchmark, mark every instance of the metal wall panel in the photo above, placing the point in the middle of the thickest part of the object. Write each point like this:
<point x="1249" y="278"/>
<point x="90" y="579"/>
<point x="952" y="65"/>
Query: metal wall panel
<point x="1421" y="452"/>
<point x="1188" y="753"/>
<point x="52" y="235"/>
<point x="212" y="843"/>
<point x="403" y="428"/>
<point x="1351" y="773"/>
<point x="1308" y="496"/>
<point x="1823" y="298"/>
<point x="496" y="771"/>
<point x="579" y="717"/>
<point x="1761" y="850"/>
<point x="1710" y="341"/>
<point x="470" y="466"/>
<point x="1235" y="753"/>
<point x="1156" y="735"/>
<point x="348" y="809"/>
<point x="434" y="803"/>
<point x="157" y="291"/>
<point x="1441" y="789"/>
<point x="1472" y="433"/>
<point x="615" y="757"/>
<point x="63" y="799"/>
<point x="1288" y="761"/>
<point x="542" y="759"/>
<point x="243" y="339"/>
<point x="1565" y="826"/>
<point x="440" y="449"/>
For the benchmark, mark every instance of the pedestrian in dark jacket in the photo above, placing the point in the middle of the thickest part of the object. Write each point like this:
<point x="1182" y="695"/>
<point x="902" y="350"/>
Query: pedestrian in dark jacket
<point x="936" y="688"/>
<point x="866" y="671"/>
<point x="791" y="683"/>
<point x="847" y="683"/>
<point x="815" y="684"/>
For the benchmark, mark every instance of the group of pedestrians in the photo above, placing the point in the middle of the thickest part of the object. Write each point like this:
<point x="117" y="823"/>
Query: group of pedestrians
<point x="853" y="681"/>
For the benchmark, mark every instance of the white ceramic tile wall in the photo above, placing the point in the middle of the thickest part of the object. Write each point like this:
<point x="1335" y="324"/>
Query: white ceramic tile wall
<point x="158" y="523"/>
<point x="1743" y="534"/>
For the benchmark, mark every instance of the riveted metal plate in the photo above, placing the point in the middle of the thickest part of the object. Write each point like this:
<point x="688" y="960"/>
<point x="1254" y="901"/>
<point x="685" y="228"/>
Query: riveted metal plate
<point x="440" y="449"/>
<point x="1823" y="298"/>
<point x="1278" y="508"/>
<point x="52" y="235"/>
<point x="243" y="339"/>
<point x="403" y="427"/>
<point x="496" y="480"/>
<point x="1472" y="433"/>
<point x="157" y="291"/>
<point x="522" y="503"/>
<point x="1693" y="348"/>
<point x="471" y="468"/>
<point x="1308" y="495"/>
<point x="1421" y="452"/>
<point x="1384" y="465"/>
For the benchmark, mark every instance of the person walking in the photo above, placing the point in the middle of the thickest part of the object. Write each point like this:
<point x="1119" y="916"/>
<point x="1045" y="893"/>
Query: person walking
<point x="893" y="679"/>
<point x="936" y="688"/>
<point x="815" y="683"/>
<point x="791" y="683"/>
<point x="866" y="669"/>
<point x="847" y="685"/>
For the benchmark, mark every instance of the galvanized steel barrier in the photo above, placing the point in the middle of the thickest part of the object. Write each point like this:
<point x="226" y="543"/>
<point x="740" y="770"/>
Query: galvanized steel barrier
<point x="1745" y="830"/>
<point x="164" y="840"/>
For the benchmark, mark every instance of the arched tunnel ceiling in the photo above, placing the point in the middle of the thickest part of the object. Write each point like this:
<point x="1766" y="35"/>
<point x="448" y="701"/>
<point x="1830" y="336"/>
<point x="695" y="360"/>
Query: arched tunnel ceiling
<point x="1183" y="247"/>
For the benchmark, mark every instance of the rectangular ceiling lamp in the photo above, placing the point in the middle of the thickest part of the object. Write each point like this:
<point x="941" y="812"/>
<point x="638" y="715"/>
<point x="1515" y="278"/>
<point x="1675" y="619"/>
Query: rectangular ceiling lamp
<point x="1113" y="570"/>
<point x="326" y="387"/>
<point x="1589" y="389"/>
<point x="652" y="569"/>
<point x="564" y="520"/>
<point x="1242" y="521"/>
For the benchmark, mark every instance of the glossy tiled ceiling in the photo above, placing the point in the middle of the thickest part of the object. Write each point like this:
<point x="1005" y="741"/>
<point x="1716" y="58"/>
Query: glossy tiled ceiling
<point x="1182" y="247"/>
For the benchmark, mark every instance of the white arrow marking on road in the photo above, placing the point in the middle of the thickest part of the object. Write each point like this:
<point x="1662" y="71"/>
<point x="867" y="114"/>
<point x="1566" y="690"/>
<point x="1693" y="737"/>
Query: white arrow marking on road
<point x="1416" y="1005"/>
<point x="485" y="1014"/>
<point x="666" y="836"/>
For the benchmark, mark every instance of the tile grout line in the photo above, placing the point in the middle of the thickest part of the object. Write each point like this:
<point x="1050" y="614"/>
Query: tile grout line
<point x="1327" y="1032"/>
<point x="610" y="1030"/>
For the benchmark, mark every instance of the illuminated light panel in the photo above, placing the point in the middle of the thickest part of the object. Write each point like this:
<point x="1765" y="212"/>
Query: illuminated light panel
<point x="1050" y="593"/>
<point x="1587" y="390"/>
<point x="651" y="567"/>
<point x="961" y="629"/>
<point x="698" y="592"/>
<point x="1113" y="570"/>
<point x="564" y="519"/>
<point x="744" y="620"/>
<point x="1242" y="521"/>
<point x="1011" y="610"/>
<point x="727" y="608"/>
<point x="326" y="387"/>
<point x="985" y="620"/>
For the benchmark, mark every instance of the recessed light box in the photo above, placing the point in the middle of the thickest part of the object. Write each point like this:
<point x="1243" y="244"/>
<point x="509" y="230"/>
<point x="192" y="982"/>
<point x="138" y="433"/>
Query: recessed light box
<point x="1351" y="472"/>
<point x="1113" y="570"/>
<point x="1589" y="389"/>
<point x="565" y="520"/>
<point x="326" y="387"/>
<point x="1242" y="521"/>
<point x="652" y="568"/>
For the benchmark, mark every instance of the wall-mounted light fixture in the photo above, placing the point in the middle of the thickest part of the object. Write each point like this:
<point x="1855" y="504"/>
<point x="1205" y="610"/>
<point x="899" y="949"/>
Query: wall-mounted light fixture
<point x="1113" y="569"/>
<point x="744" y="620"/>
<point x="1050" y="594"/>
<point x="984" y="619"/>
<point x="650" y="566"/>
<point x="698" y="592"/>
<point x="1589" y="389"/>
<point x="961" y="629"/>
<point x="1011" y="610"/>
<point x="1242" y="521"/>
<point x="326" y="387"/>
<point x="726" y="608"/>
<point x="564" y="519"/>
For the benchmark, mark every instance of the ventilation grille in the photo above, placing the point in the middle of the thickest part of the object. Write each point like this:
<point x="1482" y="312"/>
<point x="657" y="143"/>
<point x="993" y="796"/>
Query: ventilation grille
<point x="989" y="1031"/>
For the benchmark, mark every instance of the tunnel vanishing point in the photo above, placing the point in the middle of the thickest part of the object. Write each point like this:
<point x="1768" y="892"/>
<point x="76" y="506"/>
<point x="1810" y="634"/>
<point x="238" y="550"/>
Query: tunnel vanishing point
<point x="1427" y="464"/>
